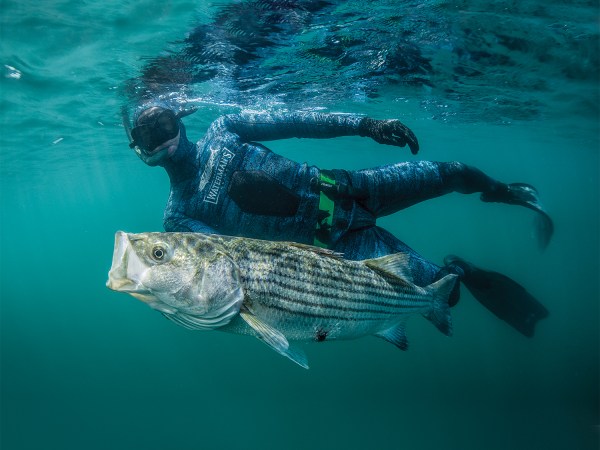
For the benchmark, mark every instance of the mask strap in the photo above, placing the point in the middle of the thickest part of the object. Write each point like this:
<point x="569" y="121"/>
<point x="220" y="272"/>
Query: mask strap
<point x="127" y="126"/>
<point x="126" y="123"/>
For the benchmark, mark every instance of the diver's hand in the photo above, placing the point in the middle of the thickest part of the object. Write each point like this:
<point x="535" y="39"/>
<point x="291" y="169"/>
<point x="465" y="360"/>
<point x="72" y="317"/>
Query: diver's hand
<point x="390" y="132"/>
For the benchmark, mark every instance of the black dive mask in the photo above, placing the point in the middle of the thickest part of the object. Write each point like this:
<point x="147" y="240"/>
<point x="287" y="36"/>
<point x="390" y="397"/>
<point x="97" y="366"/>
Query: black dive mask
<point x="157" y="129"/>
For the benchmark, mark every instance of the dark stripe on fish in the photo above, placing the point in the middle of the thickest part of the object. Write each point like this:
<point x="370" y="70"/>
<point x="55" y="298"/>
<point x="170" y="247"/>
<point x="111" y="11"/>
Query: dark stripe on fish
<point x="360" y="275"/>
<point x="298" y="295"/>
<point x="399" y="295"/>
<point x="324" y="315"/>
<point x="299" y="262"/>
<point x="362" y="298"/>
<point x="369" y="287"/>
<point x="297" y="306"/>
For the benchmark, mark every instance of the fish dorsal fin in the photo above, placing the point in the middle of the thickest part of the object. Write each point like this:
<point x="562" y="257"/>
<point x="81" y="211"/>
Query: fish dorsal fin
<point x="395" y="266"/>
<point x="274" y="339"/>
<point x="318" y="250"/>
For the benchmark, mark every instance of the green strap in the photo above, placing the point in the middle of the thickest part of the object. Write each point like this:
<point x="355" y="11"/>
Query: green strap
<point x="325" y="204"/>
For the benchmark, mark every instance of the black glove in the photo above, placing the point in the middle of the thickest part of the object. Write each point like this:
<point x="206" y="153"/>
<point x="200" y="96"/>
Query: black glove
<point x="391" y="132"/>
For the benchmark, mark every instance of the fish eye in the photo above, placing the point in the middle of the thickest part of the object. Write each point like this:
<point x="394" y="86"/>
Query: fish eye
<point x="158" y="253"/>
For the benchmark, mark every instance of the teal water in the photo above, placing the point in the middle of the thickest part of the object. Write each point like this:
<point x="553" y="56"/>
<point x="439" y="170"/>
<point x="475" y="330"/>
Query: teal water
<point x="83" y="367"/>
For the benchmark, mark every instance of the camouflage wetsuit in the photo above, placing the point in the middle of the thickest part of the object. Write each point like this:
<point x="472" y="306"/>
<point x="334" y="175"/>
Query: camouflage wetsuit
<point x="230" y="184"/>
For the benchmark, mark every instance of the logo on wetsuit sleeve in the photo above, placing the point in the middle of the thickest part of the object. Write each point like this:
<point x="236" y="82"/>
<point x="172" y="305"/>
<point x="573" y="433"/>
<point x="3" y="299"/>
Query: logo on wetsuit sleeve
<point x="217" y="175"/>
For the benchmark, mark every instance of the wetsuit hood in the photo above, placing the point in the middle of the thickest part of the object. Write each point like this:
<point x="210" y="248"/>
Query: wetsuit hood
<point x="184" y="145"/>
<point x="182" y="163"/>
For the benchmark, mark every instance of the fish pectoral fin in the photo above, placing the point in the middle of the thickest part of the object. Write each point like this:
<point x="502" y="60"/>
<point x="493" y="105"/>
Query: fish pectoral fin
<point x="395" y="266"/>
<point x="395" y="335"/>
<point x="274" y="339"/>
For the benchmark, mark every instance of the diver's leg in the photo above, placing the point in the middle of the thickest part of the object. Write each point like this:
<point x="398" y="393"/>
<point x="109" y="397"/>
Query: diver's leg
<point x="397" y="186"/>
<point x="467" y="180"/>
<point x="394" y="187"/>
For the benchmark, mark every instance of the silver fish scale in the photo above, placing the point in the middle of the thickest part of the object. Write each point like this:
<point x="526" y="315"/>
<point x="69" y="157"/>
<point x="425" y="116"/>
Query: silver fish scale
<point x="303" y="292"/>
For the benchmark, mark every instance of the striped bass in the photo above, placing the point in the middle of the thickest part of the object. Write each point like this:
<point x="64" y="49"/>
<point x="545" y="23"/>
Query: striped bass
<point x="275" y="291"/>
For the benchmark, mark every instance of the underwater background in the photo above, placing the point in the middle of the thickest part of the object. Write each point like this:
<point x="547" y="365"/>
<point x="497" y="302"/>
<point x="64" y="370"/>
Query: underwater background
<point x="509" y="87"/>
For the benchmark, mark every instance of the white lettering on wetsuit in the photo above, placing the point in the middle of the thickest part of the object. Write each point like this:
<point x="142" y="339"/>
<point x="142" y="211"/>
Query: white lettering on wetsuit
<point x="212" y="195"/>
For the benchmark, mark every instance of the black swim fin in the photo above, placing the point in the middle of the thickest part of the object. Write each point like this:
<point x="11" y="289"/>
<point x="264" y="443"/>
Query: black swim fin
<point x="504" y="297"/>
<point x="525" y="195"/>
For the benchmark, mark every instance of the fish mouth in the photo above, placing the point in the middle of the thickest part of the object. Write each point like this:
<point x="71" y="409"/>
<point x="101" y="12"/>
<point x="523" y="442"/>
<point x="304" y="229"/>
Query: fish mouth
<point x="120" y="285"/>
<point x="119" y="276"/>
<point x="127" y="286"/>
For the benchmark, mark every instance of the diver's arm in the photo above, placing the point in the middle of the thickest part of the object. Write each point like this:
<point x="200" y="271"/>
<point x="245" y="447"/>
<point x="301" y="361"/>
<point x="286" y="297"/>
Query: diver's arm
<point x="268" y="127"/>
<point x="180" y="223"/>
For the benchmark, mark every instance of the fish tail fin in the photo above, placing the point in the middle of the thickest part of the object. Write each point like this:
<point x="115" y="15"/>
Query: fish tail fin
<point x="439" y="314"/>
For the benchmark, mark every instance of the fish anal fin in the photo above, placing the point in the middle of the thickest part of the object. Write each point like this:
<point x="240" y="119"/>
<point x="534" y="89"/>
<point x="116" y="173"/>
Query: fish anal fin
<point x="274" y="339"/>
<point x="395" y="335"/>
